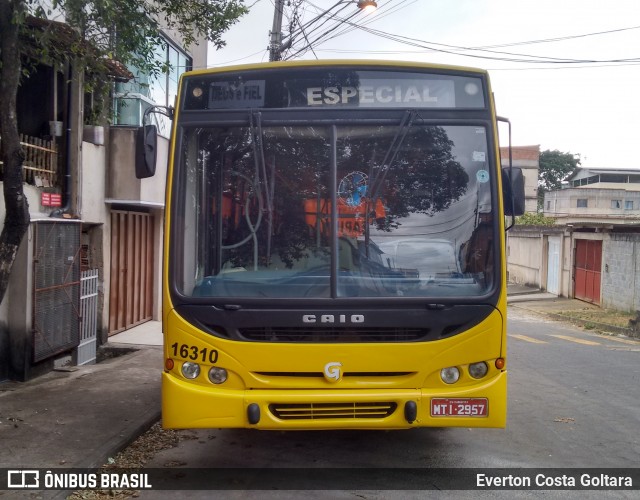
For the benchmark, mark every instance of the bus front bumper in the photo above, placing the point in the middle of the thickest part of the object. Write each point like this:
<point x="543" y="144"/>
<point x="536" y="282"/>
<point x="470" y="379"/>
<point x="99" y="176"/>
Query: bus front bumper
<point x="195" y="406"/>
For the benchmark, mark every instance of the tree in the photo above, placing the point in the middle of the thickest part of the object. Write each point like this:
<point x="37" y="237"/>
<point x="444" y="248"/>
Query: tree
<point x="101" y="32"/>
<point x="554" y="168"/>
<point x="537" y="219"/>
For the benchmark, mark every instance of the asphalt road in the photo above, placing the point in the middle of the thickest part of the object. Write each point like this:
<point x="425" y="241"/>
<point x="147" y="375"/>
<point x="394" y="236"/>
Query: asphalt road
<point x="573" y="402"/>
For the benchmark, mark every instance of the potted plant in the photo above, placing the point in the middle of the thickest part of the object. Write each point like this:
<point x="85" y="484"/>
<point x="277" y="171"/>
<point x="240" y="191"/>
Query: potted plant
<point x="94" y="117"/>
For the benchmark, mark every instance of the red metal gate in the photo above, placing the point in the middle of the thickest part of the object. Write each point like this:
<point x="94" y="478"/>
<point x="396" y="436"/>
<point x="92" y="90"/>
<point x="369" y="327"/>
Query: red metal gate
<point x="587" y="270"/>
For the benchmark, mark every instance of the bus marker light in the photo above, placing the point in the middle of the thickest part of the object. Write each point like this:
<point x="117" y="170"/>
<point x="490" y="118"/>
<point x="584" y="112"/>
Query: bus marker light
<point x="478" y="370"/>
<point x="168" y="364"/>
<point x="450" y="375"/>
<point x="218" y="375"/>
<point x="500" y="362"/>
<point x="190" y="370"/>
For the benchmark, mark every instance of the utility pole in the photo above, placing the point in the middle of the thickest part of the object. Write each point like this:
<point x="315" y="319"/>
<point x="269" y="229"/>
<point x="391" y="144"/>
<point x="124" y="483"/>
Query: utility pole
<point x="275" y="46"/>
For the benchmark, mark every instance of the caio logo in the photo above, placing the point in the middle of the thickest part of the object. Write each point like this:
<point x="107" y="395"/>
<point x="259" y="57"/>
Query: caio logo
<point x="333" y="372"/>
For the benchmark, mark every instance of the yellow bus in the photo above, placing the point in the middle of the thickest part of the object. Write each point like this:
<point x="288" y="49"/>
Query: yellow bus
<point x="334" y="248"/>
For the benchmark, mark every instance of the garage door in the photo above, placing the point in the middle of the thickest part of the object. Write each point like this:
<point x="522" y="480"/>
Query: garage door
<point x="587" y="271"/>
<point x="131" y="297"/>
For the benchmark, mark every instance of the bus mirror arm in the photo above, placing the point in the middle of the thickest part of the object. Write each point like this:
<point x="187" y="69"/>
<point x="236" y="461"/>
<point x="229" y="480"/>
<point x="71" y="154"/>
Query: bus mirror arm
<point x="147" y="143"/>
<point x="513" y="196"/>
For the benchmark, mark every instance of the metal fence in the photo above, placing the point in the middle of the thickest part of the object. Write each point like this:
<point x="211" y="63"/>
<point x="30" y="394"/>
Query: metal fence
<point x="89" y="317"/>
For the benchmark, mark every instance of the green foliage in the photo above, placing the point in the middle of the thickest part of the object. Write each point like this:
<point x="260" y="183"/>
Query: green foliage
<point x="555" y="166"/>
<point x="99" y="32"/>
<point x="535" y="219"/>
<point x="94" y="36"/>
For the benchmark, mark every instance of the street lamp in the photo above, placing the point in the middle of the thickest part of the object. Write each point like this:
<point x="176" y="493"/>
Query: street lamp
<point x="277" y="45"/>
<point x="367" y="5"/>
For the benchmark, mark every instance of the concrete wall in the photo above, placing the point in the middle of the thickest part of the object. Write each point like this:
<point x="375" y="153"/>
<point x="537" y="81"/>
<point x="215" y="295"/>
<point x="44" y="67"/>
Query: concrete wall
<point x="18" y="307"/>
<point x="621" y="272"/>
<point x="565" y="201"/>
<point x="527" y="263"/>
<point x="97" y="225"/>
<point x="122" y="185"/>
<point x="528" y="256"/>
<point x="524" y="257"/>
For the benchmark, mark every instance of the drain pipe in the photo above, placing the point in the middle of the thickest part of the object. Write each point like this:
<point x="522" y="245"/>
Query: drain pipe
<point x="63" y="211"/>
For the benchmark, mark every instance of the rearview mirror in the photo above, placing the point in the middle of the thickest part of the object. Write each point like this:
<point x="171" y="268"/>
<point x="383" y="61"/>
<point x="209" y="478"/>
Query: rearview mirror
<point x="146" y="151"/>
<point x="513" y="191"/>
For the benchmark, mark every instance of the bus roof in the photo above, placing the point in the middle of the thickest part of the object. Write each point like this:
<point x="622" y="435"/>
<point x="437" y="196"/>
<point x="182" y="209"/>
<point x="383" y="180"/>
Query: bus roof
<point x="360" y="63"/>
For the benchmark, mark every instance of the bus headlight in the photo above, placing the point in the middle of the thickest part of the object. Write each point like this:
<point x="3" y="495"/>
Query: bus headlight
<point x="450" y="375"/>
<point x="478" y="370"/>
<point x="218" y="375"/>
<point x="190" y="370"/>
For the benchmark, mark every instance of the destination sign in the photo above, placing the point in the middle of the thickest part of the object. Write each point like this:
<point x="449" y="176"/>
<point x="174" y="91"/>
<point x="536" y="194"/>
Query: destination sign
<point x="332" y="88"/>
<point x="386" y="93"/>
<point x="248" y="94"/>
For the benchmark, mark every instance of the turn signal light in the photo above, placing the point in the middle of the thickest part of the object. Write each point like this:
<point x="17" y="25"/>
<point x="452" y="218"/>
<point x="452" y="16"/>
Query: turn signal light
<point x="168" y="364"/>
<point x="500" y="362"/>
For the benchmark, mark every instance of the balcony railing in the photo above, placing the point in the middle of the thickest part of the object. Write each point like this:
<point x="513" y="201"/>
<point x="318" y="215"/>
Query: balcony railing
<point x="129" y="109"/>
<point x="40" y="165"/>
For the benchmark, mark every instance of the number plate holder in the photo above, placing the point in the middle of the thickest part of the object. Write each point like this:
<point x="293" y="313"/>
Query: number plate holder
<point x="459" y="407"/>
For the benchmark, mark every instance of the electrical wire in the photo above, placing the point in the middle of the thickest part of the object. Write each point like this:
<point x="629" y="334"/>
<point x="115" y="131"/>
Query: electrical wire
<point x="463" y="51"/>
<point x="341" y="27"/>
<point x="328" y="24"/>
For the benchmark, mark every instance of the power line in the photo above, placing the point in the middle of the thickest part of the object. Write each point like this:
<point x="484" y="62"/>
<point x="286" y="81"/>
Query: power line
<point x="461" y="51"/>
<point x="344" y="25"/>
<point x="325" y="25"/>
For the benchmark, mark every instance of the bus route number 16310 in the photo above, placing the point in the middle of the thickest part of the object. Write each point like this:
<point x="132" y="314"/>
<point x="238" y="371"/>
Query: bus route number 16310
<point x="194" y="353"/>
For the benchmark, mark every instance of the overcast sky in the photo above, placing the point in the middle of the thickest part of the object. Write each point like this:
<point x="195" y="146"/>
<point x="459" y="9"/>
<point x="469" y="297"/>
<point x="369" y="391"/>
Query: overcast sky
<point x="590" y="109"/>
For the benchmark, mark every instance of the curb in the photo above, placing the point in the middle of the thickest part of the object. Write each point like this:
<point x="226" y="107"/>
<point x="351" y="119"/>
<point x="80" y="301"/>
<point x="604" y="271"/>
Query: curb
<point x="628" y="332"/>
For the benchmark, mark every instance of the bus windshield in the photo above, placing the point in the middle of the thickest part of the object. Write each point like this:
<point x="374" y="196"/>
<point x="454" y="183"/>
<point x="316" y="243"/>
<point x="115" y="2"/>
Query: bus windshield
<point x="334" y="210"/>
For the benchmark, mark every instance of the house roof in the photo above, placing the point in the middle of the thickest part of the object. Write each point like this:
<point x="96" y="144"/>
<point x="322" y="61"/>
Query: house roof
<point x="598" y="171"/>
<point x="67" y="37"/>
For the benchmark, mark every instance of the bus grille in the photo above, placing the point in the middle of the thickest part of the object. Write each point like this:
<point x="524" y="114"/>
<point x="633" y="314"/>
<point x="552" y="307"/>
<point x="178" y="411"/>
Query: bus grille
<point x="317" y="411"/>
<point x="334" y="334"/>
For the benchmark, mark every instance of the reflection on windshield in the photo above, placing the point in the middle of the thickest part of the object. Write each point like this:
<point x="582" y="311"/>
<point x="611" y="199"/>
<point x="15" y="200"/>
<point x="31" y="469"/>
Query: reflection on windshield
<point x="412" y="213"/>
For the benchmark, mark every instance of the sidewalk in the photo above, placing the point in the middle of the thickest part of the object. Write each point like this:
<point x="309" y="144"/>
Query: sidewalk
<point x="80" y="418"/>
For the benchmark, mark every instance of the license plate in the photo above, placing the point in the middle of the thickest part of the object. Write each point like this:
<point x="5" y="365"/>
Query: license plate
<point x="457" y="407"/>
